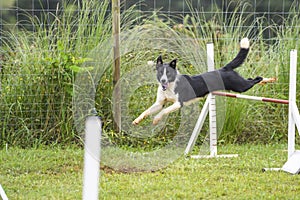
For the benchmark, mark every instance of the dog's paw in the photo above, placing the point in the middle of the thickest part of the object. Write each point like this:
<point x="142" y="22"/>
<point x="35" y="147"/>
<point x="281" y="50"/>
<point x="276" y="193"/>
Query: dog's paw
<point x="245" y="44"/>
<point x="135" y="122"/>
<point x="267" y="80"/>
<point x="156" y="120"/>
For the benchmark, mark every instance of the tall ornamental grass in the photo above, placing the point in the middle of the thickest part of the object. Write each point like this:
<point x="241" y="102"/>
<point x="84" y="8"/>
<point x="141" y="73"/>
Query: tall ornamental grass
<point x="39" y="68"/>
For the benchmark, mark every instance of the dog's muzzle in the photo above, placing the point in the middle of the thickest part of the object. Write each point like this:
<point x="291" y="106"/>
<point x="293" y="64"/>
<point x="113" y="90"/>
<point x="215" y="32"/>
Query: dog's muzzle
<point x="164" y="86"/>
<point x="164" y="83"/>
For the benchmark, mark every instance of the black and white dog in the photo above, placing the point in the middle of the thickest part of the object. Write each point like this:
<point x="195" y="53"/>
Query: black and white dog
<point x="185" y="89"/>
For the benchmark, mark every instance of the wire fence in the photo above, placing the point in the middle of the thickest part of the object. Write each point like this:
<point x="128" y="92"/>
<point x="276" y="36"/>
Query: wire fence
<point x="36" y="83"/>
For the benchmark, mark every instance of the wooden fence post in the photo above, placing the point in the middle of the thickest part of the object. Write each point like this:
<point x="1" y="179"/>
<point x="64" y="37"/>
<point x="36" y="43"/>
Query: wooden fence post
<point x="117" y="62"/>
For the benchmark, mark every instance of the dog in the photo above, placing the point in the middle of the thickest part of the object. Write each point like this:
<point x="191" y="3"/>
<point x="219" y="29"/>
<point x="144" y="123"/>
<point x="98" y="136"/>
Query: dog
<point x="184" y="89"/>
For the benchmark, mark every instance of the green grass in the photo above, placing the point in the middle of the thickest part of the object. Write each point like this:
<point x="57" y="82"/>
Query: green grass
<point x="56" y="173"/>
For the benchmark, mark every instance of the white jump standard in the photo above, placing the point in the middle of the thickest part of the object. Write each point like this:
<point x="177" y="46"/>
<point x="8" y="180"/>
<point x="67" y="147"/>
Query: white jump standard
<point x="2" y="194"/>
<point x="293" y="163"/>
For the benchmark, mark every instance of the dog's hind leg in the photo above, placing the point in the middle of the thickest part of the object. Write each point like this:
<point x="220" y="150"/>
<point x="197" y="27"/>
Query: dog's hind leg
<point x="175" y="106"/>
<point x="157" y="106"/>
<point x="247" y="84"/>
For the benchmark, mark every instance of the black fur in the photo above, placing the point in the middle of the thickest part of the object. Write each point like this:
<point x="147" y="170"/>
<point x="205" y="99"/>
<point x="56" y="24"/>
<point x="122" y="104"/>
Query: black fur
<point x="190" y="87"/>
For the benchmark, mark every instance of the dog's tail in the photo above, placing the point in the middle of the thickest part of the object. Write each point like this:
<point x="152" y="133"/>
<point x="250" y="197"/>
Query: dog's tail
<point x="239" y="59"/>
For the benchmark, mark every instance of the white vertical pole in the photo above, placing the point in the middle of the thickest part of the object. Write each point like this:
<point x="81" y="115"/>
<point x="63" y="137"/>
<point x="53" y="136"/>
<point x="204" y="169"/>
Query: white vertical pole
<point x="213" y="125"/>
<point x="91" y="158"/>
<point x="2" y="194"/>
<point x="197" y="128"/>
<point x="212" y="104"/>
<point x="292" y="99"/>
<point x="210" y="56"/>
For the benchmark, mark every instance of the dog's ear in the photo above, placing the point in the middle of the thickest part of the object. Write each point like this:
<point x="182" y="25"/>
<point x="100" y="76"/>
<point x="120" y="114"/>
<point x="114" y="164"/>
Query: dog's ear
<point x="173" y="63"/>
<point x="159" y="60"/>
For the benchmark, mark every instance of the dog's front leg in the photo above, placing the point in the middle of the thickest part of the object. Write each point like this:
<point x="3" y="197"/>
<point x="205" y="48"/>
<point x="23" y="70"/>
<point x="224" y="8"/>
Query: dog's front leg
<point x="157" y="106"/>
<point x="175" y="106"/>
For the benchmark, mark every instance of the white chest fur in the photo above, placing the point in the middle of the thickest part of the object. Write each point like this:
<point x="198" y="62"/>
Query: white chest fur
<point x="167" y="95"/>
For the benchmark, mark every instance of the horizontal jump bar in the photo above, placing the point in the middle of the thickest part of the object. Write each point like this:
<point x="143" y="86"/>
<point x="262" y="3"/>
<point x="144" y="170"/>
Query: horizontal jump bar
<point x="242" y="96"/>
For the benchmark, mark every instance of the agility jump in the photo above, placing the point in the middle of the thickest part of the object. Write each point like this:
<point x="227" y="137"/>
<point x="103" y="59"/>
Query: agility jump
<point x="255" y="98"/>
<point x="293" y="163"/>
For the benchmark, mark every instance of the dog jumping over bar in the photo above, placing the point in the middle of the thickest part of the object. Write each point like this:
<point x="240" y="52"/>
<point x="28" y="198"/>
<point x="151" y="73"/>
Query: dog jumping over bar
<point x="184" y="89"/>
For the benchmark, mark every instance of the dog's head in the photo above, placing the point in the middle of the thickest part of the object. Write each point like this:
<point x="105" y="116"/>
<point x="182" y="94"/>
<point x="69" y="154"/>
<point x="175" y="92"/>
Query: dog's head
<point x="166" y="73"/>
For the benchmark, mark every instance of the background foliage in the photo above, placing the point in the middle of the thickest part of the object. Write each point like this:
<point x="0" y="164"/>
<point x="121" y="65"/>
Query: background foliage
<point x="43" y="51"/>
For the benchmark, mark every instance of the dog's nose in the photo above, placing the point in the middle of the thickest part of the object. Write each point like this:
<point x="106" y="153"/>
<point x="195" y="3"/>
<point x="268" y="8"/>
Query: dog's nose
<point x="163" y="80"/>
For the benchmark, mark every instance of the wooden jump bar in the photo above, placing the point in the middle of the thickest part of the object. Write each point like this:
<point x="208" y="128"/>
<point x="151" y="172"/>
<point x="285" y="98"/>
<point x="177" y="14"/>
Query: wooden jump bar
<point x="242" y="96"/>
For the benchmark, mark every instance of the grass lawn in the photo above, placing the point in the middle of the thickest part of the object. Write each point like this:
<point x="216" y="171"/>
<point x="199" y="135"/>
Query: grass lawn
<point x="56" y="173"/>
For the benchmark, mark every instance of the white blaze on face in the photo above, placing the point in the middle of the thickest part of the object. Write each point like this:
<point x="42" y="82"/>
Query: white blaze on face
<point x="164" y="79"/>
